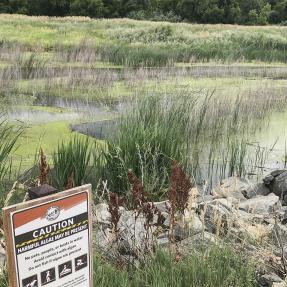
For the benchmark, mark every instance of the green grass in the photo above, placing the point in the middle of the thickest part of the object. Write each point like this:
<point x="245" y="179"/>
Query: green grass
<point x="9" y="136"/>
<point x="137" y="43"/>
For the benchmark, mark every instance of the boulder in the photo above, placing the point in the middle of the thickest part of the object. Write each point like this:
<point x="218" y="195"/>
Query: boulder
<point x="277" y="172"/>
<point x="283" y="215"/>
<point x="268" y="280"/>
<point x="234" y="187"/>
<point x="102" y="214"/>
<point x="162" y="206"/>
<point x="261" y="204"/>
<point x="198" y="241"/>
<point x="133" y="233"/>
<point x="216" y="216"/>
<point x="188" y="226"/>
<point x="277" y="182"/>
<point x="280" y="235"/>
<point x="258" y="189"/>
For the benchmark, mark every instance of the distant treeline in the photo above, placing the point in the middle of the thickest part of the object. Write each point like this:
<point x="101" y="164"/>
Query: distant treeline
<point x="249" y="12"/>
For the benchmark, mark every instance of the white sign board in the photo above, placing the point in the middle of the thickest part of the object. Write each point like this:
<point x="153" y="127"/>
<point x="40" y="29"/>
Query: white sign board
<point x="49" y="240"/>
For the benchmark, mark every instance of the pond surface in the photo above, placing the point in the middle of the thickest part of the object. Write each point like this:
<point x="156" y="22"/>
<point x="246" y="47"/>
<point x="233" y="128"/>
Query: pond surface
<point x="274" y="137"/>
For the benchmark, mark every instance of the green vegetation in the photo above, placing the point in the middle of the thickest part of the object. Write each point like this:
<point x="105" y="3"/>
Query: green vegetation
<point x="9" y="138"/>
<point x="134" y="43"/>
<point x="70" y="162"/>
<point x="253" y="12"/>
<point x="210" y="135"/>
<point x="198" y="94"/>
<point x="216" y="267"/>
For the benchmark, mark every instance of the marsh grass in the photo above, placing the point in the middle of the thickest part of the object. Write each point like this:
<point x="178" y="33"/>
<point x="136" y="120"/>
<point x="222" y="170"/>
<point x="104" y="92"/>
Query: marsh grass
<point x="9" y="135"/>
<point x="213" y="267"/>
<point x="70" y="162"/>
<point x="208" y="135"/>
<point x="138" y="43"/>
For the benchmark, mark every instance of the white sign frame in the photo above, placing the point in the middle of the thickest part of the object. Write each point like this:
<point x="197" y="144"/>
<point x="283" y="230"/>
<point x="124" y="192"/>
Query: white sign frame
<point x="77" y="229"/>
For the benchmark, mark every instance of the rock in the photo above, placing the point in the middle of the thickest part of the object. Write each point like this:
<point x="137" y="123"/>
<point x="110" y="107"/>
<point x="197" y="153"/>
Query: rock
<point x="267" y="280"/>
<point x="162" y="239"/>
<point x="102" y="214"/>
<point x="279" y="185"/>
<point x="283" y="215"/>
<point x="277" y="182"/>
<point x="258" y="189"/>
<point x="198" y="241"/>
<point x="280" y="235"/>
<point x="217" y="217"/>
<point x="284" y="200"/>
<point x="189" y="226"/>
<point x="103" y="238"/>
<point x="204" y="199"/>
<point x="234" y="187"/>
<point x="277" y="172"/>
<point x="268" y="179"/>
<point x="279" y="284"/>
<point x="261" y="204"/>
<point x="133" y="234"/>
<point x="162" y="206"/>
<point x="2" y="257"/>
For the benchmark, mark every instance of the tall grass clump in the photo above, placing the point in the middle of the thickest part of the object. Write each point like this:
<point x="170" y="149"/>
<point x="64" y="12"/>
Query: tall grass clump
<point x="206" y="134"/>
<point x="214" y="267"/>
<point x="31" y="66"/>
<point x="149" y="136"/>
<point x="136" y="56"/>
<point x="71" y="161"/>
<point x="8" y="138"/>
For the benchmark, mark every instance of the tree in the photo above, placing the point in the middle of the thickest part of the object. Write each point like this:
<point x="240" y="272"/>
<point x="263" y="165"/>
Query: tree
<point x="264" y="15"/>
<point x="213" y="15"/>
<point x="281" y="10"/>
<point x="112" y="8"/>
<point x="91" y="8"/>
<point x="18" y="6"/>
<point x="48" y="7"/>
<point x="252" y="17"/>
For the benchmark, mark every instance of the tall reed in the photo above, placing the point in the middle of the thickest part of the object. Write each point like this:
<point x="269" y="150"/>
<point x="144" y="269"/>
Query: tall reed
<point x="71" y="162"/>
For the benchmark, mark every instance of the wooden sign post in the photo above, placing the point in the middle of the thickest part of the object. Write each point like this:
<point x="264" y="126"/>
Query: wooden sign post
<point x="49" y="240"/>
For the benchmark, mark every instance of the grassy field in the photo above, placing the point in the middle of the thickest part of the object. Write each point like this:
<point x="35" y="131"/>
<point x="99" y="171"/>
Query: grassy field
<point x="130" y="42"/>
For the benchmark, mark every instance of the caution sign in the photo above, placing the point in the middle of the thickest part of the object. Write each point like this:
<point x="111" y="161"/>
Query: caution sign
<point x="49" y="240"/>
